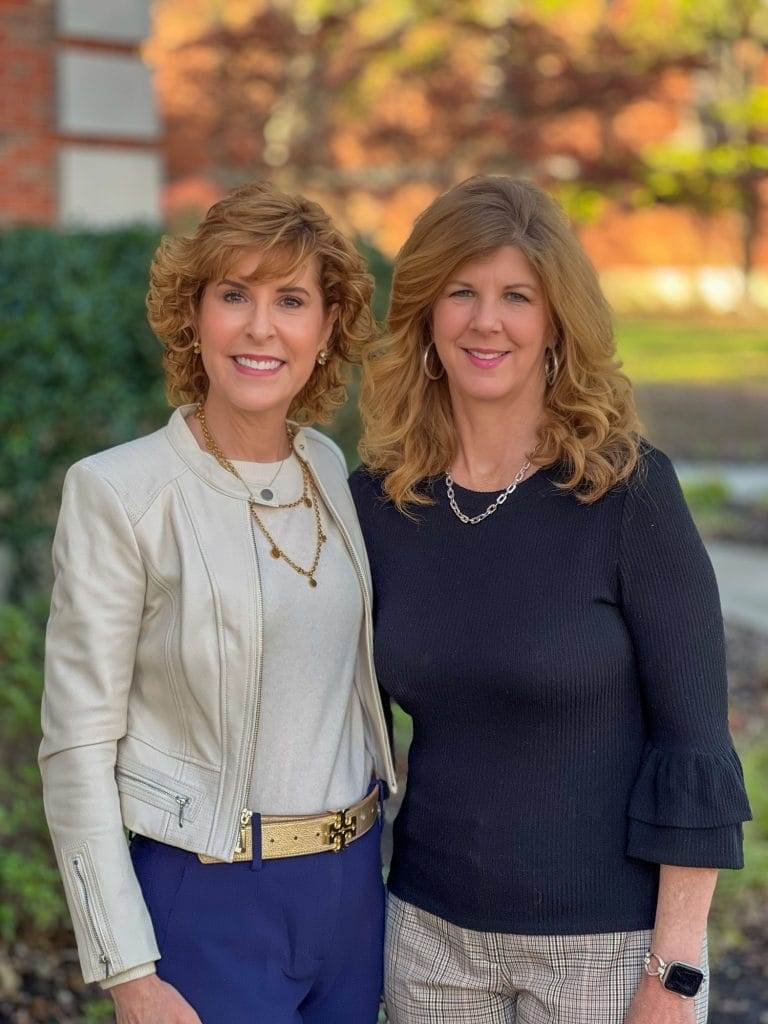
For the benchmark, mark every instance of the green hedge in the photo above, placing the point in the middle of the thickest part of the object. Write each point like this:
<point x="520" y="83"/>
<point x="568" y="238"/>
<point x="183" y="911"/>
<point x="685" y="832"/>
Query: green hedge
<point x="80" y="371"/>
<point x="31" y="896"/>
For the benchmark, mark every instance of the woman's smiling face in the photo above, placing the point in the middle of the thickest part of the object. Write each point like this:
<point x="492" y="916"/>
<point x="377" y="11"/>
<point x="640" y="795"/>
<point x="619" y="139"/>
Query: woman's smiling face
<point x="491" y="327"/>
<point x="259" y="340"/>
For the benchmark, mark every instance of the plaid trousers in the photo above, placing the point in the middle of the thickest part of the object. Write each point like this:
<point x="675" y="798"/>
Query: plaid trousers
<point x="438" y="973"/>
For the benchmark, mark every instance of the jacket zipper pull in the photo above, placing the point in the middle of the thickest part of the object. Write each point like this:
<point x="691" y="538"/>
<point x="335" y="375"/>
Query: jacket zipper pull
<point x="182" y="801"/>
<point x="104" y="960"/>
<point x="245" y="821"/>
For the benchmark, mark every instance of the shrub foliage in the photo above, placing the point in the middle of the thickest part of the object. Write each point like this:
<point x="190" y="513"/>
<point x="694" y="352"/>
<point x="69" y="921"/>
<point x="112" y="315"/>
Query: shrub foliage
<point x="31" y="897"/>
<point x="80" y="371"/>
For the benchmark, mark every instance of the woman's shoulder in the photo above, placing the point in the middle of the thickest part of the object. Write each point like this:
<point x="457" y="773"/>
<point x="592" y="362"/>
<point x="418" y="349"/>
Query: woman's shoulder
<point x="653" y="472"/>
<point x="324" y="446"/>
<point x="366" y="485"/>
<point x="653" y="490"/>
<point x="135" y="470"/>
<point x="374" y="506"/>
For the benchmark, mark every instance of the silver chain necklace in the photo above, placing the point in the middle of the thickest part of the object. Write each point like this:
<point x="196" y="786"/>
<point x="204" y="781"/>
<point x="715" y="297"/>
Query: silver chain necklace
<point x="501" y="498"/>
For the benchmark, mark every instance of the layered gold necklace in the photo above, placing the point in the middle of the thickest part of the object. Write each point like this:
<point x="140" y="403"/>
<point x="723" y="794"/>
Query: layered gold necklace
<point x="309" y="497"/>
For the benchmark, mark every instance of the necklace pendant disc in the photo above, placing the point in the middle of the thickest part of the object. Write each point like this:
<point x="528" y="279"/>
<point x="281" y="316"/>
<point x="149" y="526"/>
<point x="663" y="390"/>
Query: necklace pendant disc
<point x="312" y="581"/>
<point x="308" y="502"/>
<point x="275" y="552"/>
<point x="266" y="494"/>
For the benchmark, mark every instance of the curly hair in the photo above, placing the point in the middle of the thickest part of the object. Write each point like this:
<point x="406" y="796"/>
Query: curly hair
<point x="288" y="230"/>
<point x="590" y="426"/>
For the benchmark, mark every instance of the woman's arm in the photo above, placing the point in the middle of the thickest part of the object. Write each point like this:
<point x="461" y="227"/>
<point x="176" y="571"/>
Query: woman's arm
<point x="96" y="612"/>
<point x="688" y="801"/>
<point x="682" y="908"/>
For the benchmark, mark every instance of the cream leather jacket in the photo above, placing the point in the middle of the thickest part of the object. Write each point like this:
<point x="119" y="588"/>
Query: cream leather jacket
<point x="153" y="670"/>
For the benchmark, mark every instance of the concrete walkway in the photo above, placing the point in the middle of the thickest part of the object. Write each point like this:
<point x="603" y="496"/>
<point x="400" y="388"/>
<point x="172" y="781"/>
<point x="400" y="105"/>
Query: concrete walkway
<point x="742" y="575"/>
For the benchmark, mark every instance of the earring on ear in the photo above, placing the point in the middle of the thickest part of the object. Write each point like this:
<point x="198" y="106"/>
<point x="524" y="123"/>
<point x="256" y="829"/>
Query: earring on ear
<point x="322" y="357"/>
<point x="196" y="347"/>
<point x="428" y="373"/>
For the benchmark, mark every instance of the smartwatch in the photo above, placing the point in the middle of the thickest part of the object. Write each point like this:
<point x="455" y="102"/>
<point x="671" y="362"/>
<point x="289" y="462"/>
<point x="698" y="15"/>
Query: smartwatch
<point x="677" y="976"/>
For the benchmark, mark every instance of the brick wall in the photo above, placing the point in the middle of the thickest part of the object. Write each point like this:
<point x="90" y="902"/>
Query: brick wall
<point x="79" y="133"/>
<point x="27" y="115"/>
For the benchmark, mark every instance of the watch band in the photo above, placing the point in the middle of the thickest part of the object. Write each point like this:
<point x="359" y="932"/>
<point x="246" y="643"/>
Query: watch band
<point x="647" y="964"/>
<point x="677" y="976"/>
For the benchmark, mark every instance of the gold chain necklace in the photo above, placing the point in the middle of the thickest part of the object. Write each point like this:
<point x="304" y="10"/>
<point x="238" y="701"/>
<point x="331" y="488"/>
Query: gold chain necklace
<point x="309" y="498"/>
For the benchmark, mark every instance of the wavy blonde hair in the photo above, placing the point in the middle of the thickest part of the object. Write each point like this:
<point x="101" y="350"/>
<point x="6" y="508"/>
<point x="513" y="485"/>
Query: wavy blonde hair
<point x="288" y="230"/>
<point x="590" y="426"/>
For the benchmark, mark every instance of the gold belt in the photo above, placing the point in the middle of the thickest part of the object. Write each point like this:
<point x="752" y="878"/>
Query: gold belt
<point x="299" y="835"/>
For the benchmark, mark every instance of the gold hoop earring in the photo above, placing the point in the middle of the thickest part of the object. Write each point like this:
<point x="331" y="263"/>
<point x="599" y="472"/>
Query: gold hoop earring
<point x="322" y="357"/>
<point x="425" y="359"/>
<point x="551" y="366"/>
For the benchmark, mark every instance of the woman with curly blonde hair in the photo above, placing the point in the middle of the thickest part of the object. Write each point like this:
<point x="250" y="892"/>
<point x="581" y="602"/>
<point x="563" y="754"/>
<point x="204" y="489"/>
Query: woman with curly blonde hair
<point x="547" y="614"/>
<point x="209" y="680"/>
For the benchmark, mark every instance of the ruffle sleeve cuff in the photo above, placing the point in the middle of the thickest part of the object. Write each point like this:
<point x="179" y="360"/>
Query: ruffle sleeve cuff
<point x="687" y="807"/>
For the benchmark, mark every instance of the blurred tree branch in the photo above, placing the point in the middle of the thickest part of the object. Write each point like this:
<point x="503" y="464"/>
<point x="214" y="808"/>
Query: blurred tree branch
<point x="635" y="101"/>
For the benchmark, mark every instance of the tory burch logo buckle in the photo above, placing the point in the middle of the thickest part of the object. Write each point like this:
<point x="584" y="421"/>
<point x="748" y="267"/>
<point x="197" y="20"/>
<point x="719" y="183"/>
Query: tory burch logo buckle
<point x="341" y="830"/>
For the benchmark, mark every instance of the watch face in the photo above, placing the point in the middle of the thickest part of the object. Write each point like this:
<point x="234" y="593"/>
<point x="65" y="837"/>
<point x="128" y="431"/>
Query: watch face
<point x="683" y="979"/>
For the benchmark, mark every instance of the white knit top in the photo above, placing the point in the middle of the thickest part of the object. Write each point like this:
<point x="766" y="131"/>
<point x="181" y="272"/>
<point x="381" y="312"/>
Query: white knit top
<point x="311" y="752"/>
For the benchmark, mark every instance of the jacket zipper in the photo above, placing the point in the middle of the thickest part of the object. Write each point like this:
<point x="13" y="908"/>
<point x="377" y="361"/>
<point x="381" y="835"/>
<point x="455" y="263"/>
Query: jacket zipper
<point x="369" y="626"/>
<point x="182" y="801"/>
<point x="244" y="820"/>
<point x="104" y="960"/>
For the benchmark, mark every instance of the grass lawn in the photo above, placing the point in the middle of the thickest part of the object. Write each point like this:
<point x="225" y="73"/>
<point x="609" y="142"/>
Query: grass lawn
<point x="696" y="350"/>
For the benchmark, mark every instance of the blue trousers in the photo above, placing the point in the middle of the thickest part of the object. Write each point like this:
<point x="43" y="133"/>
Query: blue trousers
<point x="297" y="940"/>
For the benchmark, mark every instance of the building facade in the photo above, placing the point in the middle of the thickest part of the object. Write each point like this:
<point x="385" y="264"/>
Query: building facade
<point x="80" y="136"/>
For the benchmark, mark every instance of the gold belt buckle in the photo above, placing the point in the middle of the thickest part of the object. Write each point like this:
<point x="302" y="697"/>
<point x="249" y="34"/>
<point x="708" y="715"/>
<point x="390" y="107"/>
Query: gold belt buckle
<point x="341" y="830"/>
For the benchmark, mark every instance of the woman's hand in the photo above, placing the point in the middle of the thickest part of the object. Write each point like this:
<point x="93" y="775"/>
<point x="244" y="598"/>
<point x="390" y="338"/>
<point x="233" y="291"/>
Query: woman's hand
<point x="653" y="1004"/>
<point x="150" y="1000"/>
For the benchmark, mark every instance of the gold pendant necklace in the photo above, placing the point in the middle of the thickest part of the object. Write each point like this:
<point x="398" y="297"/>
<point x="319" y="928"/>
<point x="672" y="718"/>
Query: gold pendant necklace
<point x="309" y="498"/>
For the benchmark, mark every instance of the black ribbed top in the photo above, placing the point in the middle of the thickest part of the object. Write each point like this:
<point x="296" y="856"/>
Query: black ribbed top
<point x="564" y="667"/>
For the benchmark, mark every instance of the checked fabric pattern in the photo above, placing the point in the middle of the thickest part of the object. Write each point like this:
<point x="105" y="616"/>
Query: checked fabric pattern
<point x="439" y="973"/>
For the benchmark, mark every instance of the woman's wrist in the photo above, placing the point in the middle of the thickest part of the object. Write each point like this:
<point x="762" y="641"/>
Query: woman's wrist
<point x="683" y="904"/>
<point x="132" y="974"/>
<point x="685" y="947"/>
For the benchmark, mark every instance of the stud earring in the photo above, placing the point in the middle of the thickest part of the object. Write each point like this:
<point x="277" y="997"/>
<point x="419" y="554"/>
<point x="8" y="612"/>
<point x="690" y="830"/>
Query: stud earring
<point x="322" y="357"/>
<point x="196" y="348"/>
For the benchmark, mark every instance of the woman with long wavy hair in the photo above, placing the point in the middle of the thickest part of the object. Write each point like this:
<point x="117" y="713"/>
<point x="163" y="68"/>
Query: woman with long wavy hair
<point x="547" y="614"/>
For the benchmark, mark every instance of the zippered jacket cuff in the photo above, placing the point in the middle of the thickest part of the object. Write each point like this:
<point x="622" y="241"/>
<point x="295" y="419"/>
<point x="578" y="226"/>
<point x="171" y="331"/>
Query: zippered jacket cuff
<point x="140" y="971"/>
<point x="112" y="925"/>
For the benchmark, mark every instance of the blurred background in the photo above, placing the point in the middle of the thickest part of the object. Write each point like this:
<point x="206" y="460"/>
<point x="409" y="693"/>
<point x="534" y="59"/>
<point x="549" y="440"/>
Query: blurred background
<point x="121" y="119"/>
